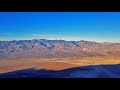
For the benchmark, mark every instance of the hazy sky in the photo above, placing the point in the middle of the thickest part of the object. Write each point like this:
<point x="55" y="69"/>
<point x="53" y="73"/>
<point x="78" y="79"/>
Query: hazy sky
<point x="93" y="26"/>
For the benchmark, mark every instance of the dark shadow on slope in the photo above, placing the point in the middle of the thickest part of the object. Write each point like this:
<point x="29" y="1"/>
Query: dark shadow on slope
<point x="96" y="71"/>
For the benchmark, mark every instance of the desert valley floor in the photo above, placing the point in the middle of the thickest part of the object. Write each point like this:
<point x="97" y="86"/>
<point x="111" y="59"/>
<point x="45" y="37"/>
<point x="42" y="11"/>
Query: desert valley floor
<point x="55" y="63"/>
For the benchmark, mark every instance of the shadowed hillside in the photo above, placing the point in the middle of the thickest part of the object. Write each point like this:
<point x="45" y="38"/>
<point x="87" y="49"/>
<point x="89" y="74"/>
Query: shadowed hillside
<point x="96" y="71"/>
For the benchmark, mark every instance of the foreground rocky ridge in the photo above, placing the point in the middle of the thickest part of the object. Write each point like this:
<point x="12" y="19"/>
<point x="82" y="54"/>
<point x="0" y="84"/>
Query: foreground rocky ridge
<point x="42" y="48"/>
<point x="92" y="71"/>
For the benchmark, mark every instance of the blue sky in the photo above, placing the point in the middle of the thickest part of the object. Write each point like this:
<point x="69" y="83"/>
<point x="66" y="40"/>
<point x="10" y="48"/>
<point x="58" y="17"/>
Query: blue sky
<point x="91" y="26"/>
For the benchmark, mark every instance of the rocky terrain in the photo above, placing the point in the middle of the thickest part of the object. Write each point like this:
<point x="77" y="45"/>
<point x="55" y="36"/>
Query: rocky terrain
<point x="41" y="58"/>
<point x="42" y="48"/>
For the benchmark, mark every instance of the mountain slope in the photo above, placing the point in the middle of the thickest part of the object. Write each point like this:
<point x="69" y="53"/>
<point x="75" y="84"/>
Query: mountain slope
<point x="42" y="48"/>
<point x="95" y="71"/>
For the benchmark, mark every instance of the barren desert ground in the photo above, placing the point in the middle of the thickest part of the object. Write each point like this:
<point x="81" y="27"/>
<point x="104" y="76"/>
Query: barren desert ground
<point x="55" y="63"/>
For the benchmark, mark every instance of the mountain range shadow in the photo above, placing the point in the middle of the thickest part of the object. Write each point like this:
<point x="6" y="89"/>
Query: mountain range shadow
<point x="92" y="71"/>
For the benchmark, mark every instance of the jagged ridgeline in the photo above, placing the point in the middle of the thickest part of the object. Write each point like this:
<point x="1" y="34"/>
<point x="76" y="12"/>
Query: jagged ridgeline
<point x="42" y="48"/>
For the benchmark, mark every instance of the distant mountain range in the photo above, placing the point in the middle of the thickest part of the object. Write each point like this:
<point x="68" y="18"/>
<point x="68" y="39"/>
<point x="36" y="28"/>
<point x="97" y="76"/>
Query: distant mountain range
<point x="42" y="48"/>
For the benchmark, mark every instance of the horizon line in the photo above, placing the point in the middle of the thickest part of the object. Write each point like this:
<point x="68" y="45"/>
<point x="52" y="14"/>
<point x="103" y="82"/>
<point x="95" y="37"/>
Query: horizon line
<point x="62" y="40"/>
